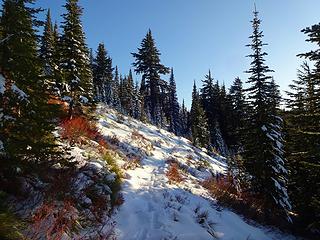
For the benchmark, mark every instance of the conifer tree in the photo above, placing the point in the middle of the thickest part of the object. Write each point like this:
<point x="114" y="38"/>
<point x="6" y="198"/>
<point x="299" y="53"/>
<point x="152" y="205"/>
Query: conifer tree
<point x="238" y="113"/>
<point x="174" y="118"/>
<point x="263" y="151"/>
<point x="116" y="103"/>
<point x="136" y="108"/>
<point x="210" y="96"/>
<point x="199" y="125"/>
<point x="47" y="47"/>
<point x="128" y="94"/>
<point x="303" y="124"/>
<point x="27" y="120"/>
<point x="103" y="76"/>
<point x="147" y="63"/>
<point x="183" y="118"/>
<point x="74" y="58"/>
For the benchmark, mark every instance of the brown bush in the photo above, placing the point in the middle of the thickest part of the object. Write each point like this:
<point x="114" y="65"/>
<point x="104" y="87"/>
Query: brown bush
<point x="54" y="221"/>
<point x="173" y="173"/>
<point x="76" y="129"/>
<point x="135" y="135"/>
<point x="133" y="161"/>
<point x="225" y="191"/>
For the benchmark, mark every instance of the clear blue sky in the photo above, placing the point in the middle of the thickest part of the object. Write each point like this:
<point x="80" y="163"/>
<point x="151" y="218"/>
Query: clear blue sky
<point x="195" y="35"/>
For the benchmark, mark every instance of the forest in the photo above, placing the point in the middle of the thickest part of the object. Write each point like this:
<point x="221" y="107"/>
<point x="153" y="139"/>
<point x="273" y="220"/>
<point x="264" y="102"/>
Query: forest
<point x="51" y="79"/>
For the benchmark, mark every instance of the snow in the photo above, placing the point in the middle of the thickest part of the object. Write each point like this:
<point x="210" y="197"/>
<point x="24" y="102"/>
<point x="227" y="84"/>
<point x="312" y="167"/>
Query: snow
<point x="66" y="99"/>
<point x="22" y="95"/>
<point x="155" y="209"/>
<point x="2" y="84"/>
<point x="84" y="100"/>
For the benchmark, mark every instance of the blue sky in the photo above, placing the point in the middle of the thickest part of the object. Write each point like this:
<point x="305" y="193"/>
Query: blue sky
<point x="197" y="35"/>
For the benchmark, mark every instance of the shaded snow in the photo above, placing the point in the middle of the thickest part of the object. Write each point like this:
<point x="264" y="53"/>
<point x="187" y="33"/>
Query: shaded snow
<point x="153" y="208"/>
<point x="22" y="95"/>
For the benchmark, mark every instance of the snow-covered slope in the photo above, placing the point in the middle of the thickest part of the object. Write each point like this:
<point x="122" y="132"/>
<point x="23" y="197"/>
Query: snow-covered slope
<point x="153" y="207"/>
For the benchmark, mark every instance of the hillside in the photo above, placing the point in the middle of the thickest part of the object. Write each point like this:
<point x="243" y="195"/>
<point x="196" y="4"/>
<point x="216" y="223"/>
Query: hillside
<point x="155" y="207"/>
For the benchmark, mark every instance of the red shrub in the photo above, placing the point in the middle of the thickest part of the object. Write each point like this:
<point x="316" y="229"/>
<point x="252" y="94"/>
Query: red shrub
<point x="173" y="173"/>
<point x="54" y="221"/>
<point x="77" y="128"/>
<point x="225" y="191"/>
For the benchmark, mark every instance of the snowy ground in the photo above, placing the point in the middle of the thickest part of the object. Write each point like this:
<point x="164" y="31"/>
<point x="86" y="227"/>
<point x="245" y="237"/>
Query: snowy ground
<point x="155" y="209"/>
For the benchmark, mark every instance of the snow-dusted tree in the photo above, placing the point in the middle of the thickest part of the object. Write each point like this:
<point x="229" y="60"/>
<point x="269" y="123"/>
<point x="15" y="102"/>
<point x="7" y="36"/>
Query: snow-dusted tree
<point x="199" y="125"/>
<point x="27" y="120"/>
<point x="128" y="94"/>
<point x="103" y="76"/>
<point x="263" y="151"/>
<point x="116" y="103"/>
<point x="147" y="63"/>
<point x="210" y="97"/>
<point x="174" y="108"/>
<point x="137" y="107"/>
<point x="238" y="114"/>
<point x="303" y="138"/>
<point x="74" y="58"/>
<point x="47" y="47"/>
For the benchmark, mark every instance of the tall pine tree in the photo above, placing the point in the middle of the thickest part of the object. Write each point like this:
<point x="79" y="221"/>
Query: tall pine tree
<point x="263" y="151"/>
<point x="103" y="76"/>
<point x="303" y="124"/>
<point x="27" y="118"/>
<point x="174" y="117"/>
<point x="74" y="58"/>
<point x="199" y="125"/>
<point x="147" y="63"/>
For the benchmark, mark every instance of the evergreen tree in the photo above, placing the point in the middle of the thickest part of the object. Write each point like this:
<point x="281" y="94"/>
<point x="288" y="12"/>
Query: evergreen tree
<point x="47" y="47"/>
<point x="210" y="96"/>
<point x="174" y="118"/>
<point x="74" y="58"/>
<point x="238" y="114"/>
<point x="147" y="63"/>
<point x="128" y="94"/>
<point x="26" y="119"/>
<point x="303" y="124"/>
<point x="116" y="103"/>
<point x="263" y="153"/>
<point x="136" y="108"/>
<point x="199" y="125"/>
<point x="103" y="76"/>
<point x="184" y="120"/>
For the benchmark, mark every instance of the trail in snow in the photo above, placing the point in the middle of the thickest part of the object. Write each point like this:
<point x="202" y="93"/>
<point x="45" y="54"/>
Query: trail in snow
<point x="153" y="209"/>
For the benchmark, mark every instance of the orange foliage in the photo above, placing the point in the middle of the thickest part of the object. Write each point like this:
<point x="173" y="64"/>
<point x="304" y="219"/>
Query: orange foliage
<point x="77" y="128"/>
<point x="225" y="191"/>
<point x="54" y="221"/>
<point x="173" y="173"/>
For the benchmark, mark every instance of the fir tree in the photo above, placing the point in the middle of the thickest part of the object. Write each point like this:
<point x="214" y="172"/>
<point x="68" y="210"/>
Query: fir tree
<point x="184" y="120"/>
<point x="147" y="63"/>
<point x="199" y="126"/>
<point x="116" y="103"/>
<point x="47" y="47"/>
<point x="27" y="120"/>
<point x="174" y="118"/>
<point x="136" y="108"/>
<point x="74" y="58"/>
<point x="210" y="96"/>
<point x="238" y="114"/>
<point x="303" y="124"/>
<point x="103" y="76"/>
<point x="128" y="94"/>
<point x="264" y="156"/>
